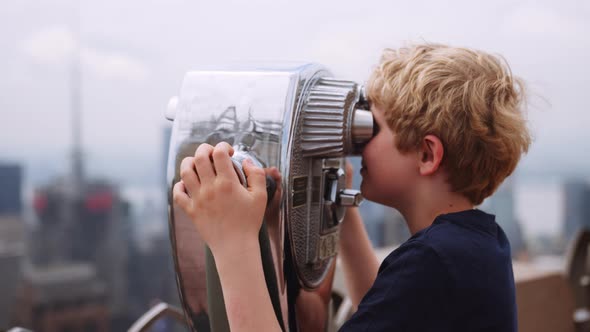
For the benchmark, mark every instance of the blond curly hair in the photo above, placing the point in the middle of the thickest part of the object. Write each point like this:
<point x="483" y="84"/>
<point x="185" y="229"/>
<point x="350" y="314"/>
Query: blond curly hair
<point x="469" y="99"/>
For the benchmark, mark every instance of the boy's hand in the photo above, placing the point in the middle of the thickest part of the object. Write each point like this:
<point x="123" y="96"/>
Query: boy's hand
<point x="227" y="215"/>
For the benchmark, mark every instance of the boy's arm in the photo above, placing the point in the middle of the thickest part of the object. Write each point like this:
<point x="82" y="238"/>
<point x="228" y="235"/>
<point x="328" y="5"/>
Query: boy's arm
<point x="228" y="217"/>
<point x="246" y="297"/>
<point x="359" y="262"/>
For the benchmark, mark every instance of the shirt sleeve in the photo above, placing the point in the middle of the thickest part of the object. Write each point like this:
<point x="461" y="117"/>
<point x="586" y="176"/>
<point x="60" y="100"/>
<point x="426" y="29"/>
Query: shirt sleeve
<point x="409" y="294"/>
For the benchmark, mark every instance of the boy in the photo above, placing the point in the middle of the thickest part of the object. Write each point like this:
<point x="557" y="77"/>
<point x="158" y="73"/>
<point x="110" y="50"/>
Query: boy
<point x="451" y="131"/>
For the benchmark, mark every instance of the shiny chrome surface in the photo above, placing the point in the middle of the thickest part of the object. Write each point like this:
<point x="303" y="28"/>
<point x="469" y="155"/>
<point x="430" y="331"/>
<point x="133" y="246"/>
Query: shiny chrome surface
<point x="332" y="125"/>
<point x="349" y="197"/>
<point x="240" y="154"/>
<point x="171" y="109"/>
<point x="271" y="116"/>
<point x="158" y="311"/>
<point x="362" y="128"/>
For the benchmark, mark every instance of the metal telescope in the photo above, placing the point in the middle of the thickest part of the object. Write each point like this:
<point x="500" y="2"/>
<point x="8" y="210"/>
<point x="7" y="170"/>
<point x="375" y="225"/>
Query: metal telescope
<point x="301" y="120"/>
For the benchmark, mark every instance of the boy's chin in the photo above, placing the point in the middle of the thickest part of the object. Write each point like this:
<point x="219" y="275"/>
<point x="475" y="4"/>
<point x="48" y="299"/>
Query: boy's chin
<point x="365" y="191"/>
<point x="371" y="195"/>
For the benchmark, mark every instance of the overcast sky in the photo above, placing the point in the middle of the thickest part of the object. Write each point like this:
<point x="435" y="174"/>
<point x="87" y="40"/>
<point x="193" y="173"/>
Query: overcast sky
<point x="134" y="55"/>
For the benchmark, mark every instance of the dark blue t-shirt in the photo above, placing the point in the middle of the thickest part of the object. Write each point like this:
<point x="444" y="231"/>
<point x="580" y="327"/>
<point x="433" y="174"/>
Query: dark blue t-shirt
<point x="455" y="275"/>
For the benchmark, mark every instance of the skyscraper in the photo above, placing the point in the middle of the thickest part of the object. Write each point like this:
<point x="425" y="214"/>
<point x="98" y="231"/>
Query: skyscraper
<point x="10" y="189"/>
<point x="86" y="222"/>
<point x="12" y="239"/>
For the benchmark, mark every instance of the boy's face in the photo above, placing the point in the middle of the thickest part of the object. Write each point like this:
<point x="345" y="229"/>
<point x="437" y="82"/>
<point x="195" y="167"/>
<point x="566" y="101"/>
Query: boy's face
<point x="388" y="174"/>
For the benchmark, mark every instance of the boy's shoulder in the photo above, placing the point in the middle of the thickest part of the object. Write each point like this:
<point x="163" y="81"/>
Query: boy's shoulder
<point x="461" y="230"/>
<point x="470" y="237"/>
<point x="437" y="275"/>
<point x="468" y="246"/>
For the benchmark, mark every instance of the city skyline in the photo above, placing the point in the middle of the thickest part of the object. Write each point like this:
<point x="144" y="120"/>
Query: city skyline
<point x="134" y="64"/>
<point x="130" y="71"/>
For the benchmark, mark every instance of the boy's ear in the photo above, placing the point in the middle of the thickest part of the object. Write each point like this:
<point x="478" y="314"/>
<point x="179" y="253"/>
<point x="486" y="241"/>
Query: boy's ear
<point x="431" y="154"/>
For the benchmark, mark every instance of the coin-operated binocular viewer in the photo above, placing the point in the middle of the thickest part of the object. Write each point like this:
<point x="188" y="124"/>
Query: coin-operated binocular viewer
<point x="302" y="121"/>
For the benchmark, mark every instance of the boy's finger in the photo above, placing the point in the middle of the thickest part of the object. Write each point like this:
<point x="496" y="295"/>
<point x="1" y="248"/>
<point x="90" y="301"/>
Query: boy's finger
<point x="180" y="196"/>
<point x="204" y="164"/>
<point x="222" y="161"/>
<point x="188" y="174"/>
<point x="274" y="173"/>
<point x="256" y="178"/>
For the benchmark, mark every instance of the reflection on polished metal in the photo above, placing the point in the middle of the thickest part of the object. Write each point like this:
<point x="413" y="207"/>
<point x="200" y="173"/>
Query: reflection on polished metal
<point x="332" y="126"/>
<point x="157" y="312"/>
<point x="294" y="118"/>
<point x="350" y="198"/>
